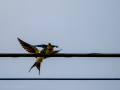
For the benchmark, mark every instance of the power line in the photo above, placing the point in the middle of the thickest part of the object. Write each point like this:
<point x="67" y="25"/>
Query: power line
<point x="60" y="55"/>
<point x="59" y="78"/>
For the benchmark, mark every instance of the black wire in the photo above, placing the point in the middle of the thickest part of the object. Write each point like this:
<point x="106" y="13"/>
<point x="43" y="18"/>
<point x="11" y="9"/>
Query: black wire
<point x="59" y="78"/>
<point x="60" y="55"/>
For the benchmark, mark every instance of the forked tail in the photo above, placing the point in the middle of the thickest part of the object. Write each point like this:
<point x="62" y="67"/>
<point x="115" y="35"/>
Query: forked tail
<point x="37" y="65"/>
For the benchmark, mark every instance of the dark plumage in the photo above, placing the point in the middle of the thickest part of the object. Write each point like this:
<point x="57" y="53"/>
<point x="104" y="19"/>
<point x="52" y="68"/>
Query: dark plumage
<point x="45" y="46"/>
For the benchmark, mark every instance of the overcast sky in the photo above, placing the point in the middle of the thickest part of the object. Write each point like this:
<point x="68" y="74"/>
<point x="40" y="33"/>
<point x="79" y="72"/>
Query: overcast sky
<point x="76" y="26"/>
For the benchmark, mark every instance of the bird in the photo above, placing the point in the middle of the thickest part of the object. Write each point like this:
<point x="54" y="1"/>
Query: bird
<point x="31" y="49"/>
<point x="45" y="46"/>
<point x="48" y="48"/>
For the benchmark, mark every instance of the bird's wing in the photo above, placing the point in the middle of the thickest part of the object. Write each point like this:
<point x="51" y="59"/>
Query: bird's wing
<point x="54" y="46"/>
<point x="29" y="48"/>
<point x="42" y="45"/>
<point x="56" y="51"/>
<point x="53" y="52"/>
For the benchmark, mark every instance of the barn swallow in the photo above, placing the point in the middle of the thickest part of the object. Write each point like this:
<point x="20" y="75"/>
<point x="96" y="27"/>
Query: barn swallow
<point x="49" y="48"/>
<point x="31" y="49"/>
<point x="44" y="46"/>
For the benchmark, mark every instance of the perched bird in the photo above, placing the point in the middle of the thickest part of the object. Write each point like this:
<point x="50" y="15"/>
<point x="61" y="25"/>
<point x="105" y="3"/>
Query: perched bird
<point x="49" y="48"/>
<point x="31" y="49"/>
<point x="45" y="46"/>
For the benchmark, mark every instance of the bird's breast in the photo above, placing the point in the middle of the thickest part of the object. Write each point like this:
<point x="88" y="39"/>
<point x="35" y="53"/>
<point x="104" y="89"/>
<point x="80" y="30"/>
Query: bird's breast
<point x="39" y="59"/>
<point x="49" y="50"/>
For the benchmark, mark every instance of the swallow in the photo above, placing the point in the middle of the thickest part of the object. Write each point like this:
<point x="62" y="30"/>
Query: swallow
<point x="31" y="49"/>
<point x="48" y="48"/>
<point x="45" y="46"/>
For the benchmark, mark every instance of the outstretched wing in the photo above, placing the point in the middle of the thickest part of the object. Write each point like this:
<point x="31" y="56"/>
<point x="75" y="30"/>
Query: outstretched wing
<point x="29" y="48"/>
<point x="42" y="45"/>
<point x="56" y="51"/>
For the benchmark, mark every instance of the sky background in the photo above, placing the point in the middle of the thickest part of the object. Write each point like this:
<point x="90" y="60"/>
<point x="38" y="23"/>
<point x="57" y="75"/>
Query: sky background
<point x="76" y="26"/>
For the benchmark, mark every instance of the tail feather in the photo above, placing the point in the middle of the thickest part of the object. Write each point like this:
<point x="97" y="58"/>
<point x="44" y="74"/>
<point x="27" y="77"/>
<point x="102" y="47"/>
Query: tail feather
<point x="37" y="65"/>
<point x="33" y="66"/>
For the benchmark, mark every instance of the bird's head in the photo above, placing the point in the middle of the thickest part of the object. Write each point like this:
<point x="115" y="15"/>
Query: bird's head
<point x="49" y="47"/>
<point x="49" y="44"/>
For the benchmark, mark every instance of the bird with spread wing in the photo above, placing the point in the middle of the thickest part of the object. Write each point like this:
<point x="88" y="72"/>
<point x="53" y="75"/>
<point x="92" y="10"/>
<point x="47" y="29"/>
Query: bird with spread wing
<point x="44" y="46"/>
<point x="32" y="49"/>
<point x="48" y="48"/>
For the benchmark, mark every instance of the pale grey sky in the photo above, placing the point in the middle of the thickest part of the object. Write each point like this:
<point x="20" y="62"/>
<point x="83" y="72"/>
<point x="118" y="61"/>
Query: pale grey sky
<point x="76" y="26"/>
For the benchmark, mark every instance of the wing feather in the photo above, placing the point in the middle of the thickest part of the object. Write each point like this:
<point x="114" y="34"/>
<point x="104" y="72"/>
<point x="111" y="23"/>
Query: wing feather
<point x="29" y="48"/>
<point x="53" y="52"/>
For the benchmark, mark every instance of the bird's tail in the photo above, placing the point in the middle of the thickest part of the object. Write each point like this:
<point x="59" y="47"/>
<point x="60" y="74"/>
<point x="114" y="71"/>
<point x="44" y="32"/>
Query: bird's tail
<point x="37" y="65"/>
